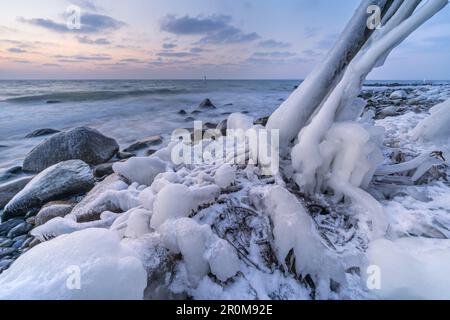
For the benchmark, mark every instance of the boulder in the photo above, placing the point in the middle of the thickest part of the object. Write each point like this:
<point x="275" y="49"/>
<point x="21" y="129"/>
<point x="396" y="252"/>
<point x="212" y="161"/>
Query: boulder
<point x="5" y="227"/>
<point x="20" y="230"/>
<point x="41" y="132"/>
<point x="144" y="143"/>
<point x="104" y="169"/>
<point x="63" y="179"/>
<point x="10" y="189"/>
<point x="182" y="112"/>
<point x="52" y="210"/>
<point x="81" y="143"/>
<point x="207" y="104"/>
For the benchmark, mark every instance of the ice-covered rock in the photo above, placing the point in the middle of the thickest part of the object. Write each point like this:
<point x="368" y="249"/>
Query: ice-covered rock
<point x="436" y="126"/>
<point x="59" y="226"/>
<point x="51" y="211"/>
<point x="225" y="176"/>
<point x="90" y="264"/>
<point x="101" y="198"/>
<point x="63" y="179"/>
<point x="399" y="94"/>
<point x="142" y="170"/>
<point x="81" y="143"/>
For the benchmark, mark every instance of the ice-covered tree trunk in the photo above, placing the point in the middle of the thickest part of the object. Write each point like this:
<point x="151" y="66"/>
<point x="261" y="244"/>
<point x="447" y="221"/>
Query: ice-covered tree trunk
<point x="294" y="113"/>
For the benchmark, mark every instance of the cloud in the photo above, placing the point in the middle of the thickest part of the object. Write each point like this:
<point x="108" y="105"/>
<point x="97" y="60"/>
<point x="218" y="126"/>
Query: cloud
<point x="214" y="29"/>
<point x="82" y="58"/>
<point x="175" y="54"/>
<point x="99" y="41"/>
<point x="273" y="44"/>
<point x="132" y="60"/>
<point x="169" y="45"/>
<point x="274" y="54"/>
<point x="90" y="23"/>
<point x="22" y="61"/>
<point x="197" y="50"/>
<point x="51" y="65"/>
<point x="86" y="4"/>
<point x="16" y="50"/>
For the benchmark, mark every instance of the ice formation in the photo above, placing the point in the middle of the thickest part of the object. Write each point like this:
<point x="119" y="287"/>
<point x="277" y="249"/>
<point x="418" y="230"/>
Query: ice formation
<point x="225" y="176"/>
<point x="89" y="264"/>
<point x="142" y="170"/>
<point x="202" y="250"/>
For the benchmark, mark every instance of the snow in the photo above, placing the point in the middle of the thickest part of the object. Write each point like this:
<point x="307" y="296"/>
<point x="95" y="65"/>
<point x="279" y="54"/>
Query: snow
<point x="140" y="169"/>
<point x="107" y="270"/>
<point x="412" y="268"/>
<point x="225" y="176"/>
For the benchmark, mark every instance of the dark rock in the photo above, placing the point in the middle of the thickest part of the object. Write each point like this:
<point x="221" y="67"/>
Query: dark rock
<point x="53" y="101"/>
<point x="222" y="127"/>
<point x="144" y="143"/>
<point x="104" y="169"/>
<point x="41" y="132"/>
<point x="26" y="243"/>
<point x="51" y="211"/>
<point x="182" y="112"/>
<point x="5" y="264"/>
<point x="262" y="121"/>
<point x="189" y="119"/>
<point x="209" y="125"/>
<point x="228" y="105"/>
<point x="196" y="112"/>
<point x="5" y="227"/>
<point x="150" y="152"/>
<point x="19" y="230"/>
<point x="18" y="241"/>
<point x="10" y="173"/>
<point x="10" y="189"/>
<point x="63" y="179"/>
<point x="81" y="143"/>
<point x="124" y="155"/>
<point x="6" y="243"/>
<point x="207" y="104"/>
<point x="31" y="220"/>
<point x="281" y="99"/>
<point x="4" y="252"/>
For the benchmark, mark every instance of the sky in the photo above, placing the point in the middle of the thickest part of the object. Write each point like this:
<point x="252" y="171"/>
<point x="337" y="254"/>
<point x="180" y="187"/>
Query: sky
<point x="191" y="39"/>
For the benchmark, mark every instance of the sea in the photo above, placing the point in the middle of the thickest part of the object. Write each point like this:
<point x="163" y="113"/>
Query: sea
<point x="129" y="110"/>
